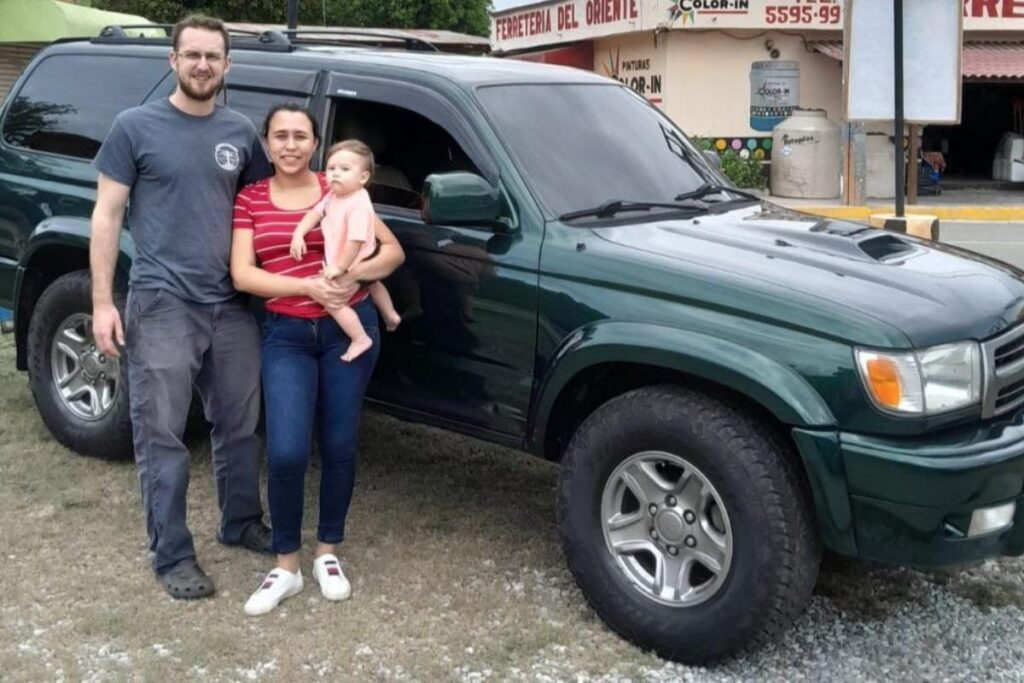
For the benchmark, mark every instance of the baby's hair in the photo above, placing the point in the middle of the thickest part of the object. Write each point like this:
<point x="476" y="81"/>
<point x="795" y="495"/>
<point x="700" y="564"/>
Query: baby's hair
<point x="357" y="147"/>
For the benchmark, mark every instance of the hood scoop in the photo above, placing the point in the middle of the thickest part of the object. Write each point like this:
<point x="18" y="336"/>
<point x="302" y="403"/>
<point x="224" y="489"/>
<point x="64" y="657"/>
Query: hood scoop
<point x="873" y="244"/>
<point x="885" y="246"/>
<point x="859" y="244"/>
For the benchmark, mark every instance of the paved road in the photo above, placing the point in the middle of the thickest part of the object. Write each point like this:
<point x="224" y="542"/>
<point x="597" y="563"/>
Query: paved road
<point x="1004" y="241"/>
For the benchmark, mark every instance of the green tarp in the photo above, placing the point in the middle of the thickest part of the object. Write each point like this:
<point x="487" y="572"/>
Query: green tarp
<point x="44" y="21"/>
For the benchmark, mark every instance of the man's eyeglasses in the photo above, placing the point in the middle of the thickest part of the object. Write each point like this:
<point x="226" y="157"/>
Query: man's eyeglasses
<point x="192" y="57"/>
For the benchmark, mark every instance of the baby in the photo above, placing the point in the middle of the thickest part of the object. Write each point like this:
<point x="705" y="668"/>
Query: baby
<point x="346" y="217"/>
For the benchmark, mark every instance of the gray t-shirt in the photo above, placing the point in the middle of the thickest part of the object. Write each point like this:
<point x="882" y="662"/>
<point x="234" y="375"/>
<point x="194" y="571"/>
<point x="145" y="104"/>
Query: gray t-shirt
<point x="184" y="172"/>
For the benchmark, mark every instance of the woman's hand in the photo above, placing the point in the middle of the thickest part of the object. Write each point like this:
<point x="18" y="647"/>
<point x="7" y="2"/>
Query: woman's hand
<point x="331" y="294"/>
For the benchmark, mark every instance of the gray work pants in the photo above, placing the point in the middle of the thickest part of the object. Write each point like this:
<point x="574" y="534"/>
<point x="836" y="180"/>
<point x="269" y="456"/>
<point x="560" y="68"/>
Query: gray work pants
<point x="172" y="345"/>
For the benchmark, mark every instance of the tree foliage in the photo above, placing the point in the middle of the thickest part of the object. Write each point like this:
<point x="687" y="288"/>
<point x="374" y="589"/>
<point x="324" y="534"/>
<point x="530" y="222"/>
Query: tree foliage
<point x="464" y="16"/>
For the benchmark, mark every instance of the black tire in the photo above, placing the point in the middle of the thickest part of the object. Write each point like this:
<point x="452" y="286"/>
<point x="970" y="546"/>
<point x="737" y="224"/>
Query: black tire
<point x="775" y="550"/>
<point x="108" y="437"/>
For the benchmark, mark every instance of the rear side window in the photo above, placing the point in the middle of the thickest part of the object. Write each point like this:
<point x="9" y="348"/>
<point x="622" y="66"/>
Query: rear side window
<point x="256" y="105"/>
<point x="69" y="101"/>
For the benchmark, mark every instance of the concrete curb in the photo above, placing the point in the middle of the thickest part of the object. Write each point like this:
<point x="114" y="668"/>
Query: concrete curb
<point x="918" y="225"/>
<point x="984" y="214"/>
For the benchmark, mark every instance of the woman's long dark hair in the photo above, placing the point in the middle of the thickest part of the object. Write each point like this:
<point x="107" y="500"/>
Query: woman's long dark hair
<point x="291" y="106"/>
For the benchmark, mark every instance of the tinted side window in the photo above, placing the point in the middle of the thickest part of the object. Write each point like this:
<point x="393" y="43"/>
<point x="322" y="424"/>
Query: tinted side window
<point x="256" y="104"/>
<point x="407" y="147"/>
<point x="69" y="101"/>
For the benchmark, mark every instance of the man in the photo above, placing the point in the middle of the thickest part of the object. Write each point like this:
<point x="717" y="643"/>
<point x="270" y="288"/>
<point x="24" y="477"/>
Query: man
<point x="181" y="161"/>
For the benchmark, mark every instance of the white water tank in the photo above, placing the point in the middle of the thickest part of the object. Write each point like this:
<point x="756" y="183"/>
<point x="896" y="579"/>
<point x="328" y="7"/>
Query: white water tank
<point x="806" y="157"/>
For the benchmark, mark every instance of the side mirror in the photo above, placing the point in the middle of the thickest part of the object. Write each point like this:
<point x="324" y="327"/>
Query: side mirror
<point x="711" y="156"/>
<point x="460" y="198"/>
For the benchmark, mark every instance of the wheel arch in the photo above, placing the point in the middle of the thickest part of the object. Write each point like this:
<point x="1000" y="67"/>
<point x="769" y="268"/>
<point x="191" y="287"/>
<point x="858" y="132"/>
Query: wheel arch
<point x="56" y="247"/>
<point x="607" y="359"/>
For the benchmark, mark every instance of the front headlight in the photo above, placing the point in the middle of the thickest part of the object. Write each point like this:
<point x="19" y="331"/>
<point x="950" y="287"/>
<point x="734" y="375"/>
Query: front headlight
<point x="925" y="382"/>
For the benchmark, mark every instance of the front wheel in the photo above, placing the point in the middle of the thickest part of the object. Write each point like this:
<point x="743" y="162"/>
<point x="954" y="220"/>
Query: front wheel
<point x="81" y="395"/>
<point x="686" y="524"/>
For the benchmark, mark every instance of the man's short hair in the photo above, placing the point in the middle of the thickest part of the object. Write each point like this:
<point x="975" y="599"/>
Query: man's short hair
<point x="200" y="21"/>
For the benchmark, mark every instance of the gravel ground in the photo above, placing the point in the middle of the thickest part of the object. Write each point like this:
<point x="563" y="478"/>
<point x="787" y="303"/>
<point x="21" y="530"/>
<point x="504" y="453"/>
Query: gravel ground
<point x="457" y="576"/>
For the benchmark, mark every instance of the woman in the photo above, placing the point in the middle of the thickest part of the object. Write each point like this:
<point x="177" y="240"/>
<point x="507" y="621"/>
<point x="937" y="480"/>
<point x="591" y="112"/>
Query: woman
<point x="304" y="382"/>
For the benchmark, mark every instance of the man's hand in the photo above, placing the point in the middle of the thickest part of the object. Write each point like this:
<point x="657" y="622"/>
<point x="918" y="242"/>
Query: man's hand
<point x="107" y="330"/>
<point x="298" y="248"/>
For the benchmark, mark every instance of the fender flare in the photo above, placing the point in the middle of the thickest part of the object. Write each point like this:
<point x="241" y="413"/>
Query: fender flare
<point x="776" y="387"/>
<point x="71" y="231"/>
<point x="56" y="232"/>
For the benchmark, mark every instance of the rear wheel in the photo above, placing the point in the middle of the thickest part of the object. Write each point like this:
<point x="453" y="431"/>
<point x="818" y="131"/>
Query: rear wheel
<point x="81" y="395"/>
<point x="685" y="523"/>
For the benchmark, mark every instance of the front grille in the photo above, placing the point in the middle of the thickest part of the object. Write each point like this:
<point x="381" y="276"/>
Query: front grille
<point x="1008" y="395"/>
<point x="1008" y="353"/>
<point x="1003" y="366"/>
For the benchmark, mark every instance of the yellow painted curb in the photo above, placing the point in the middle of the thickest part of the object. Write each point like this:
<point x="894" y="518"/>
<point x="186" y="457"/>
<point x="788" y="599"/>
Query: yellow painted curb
<point x="918" y="225"/>
<point x="1007" y="213"/>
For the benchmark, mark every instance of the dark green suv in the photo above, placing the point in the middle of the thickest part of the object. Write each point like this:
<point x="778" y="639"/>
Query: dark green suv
<point x="729" y="386"/>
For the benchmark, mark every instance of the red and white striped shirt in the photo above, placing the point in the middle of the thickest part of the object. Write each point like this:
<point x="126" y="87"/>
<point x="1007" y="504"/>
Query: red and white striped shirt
<point x="272" y="229"/>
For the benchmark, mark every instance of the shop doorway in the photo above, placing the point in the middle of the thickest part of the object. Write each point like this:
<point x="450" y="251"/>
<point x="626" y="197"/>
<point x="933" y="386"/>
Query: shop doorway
<point x="989" y="109"/>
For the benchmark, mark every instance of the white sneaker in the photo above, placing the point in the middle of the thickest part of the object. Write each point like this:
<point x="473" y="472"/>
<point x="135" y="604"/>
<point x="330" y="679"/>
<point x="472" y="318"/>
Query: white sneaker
<point x="277" y="586"/>
<point x="333" y="584"/>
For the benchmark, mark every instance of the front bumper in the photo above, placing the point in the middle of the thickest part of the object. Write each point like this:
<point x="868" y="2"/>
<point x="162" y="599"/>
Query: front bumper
<point x="910" y="500"/>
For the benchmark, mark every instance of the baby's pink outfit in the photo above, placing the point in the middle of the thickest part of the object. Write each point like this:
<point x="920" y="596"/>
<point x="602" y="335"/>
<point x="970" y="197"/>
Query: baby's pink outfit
<point x="344" y="219"/>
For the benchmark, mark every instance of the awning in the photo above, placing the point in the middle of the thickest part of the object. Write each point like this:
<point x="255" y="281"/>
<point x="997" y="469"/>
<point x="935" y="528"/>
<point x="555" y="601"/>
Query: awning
<point x="44" y="21"/>
<point x="982" y="59"/>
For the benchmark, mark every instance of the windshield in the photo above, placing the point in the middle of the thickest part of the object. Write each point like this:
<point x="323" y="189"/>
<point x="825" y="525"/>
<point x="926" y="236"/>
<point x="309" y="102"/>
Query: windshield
<point x="581" y="145"/>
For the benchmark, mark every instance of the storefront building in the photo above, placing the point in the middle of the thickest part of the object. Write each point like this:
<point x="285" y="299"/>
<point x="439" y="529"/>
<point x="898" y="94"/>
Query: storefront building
<point x="729" y="70"/>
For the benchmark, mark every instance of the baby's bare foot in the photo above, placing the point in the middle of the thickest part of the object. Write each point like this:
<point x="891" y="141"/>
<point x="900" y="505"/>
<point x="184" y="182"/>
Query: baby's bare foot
<point x="356" y="348"/>
<point x="392" y="320"/>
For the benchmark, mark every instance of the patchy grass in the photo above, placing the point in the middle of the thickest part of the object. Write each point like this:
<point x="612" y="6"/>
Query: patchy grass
<point x="451" y="547"/>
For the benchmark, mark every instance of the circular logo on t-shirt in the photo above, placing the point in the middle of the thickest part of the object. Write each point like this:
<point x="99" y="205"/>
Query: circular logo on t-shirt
<point x="226" y="156"/>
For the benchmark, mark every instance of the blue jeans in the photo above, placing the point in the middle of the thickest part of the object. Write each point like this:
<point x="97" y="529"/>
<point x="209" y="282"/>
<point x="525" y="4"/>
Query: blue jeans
<point x="306" y="382"/>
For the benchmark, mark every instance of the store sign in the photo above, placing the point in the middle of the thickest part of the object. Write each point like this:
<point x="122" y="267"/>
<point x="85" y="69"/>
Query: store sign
<point x="759" y="14"/>
<point x="573" y="20"/>
<point x="562" y="22"/>
<point x="979" y="15"/>
<point x="634" y="68"/>
<point x="993" y="15"/>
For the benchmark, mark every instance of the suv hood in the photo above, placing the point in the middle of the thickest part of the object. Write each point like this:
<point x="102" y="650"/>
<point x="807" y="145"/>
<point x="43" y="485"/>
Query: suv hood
<point x="932" y="293"/>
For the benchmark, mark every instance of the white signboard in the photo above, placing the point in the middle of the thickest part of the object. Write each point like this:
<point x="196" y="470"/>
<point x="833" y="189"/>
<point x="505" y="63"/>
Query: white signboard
<point x="932" y="40"/>
<point x="561" y="22"/>
<point x="822" y="15"/>
<point x="994" y="15"/>
<point x="756" y="14"/>
<point x="636" y="62"/>
<point x="565" y="21"/>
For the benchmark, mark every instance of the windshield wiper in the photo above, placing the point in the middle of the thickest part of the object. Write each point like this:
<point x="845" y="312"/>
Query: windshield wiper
<point x="614" y="206"/>
<point x="710" y="188"/>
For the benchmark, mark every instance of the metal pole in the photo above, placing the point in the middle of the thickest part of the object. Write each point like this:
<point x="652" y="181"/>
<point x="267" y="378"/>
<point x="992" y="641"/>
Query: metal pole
<point x="293" y="18"/>
<point x="898" y="124"/>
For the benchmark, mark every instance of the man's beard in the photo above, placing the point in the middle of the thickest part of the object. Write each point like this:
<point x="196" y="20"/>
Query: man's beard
<point x="184" y="86"/>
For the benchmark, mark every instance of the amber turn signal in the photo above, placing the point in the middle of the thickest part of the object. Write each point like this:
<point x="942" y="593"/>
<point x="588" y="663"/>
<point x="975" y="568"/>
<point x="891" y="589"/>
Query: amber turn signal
<point x="884" y="382"/>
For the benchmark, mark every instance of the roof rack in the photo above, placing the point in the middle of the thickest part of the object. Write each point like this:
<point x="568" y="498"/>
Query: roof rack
<point x="274" y="40"/>
<point x="358" y="37"/>
<point x="121" y="30"/>
<point x="251" y="40"/>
